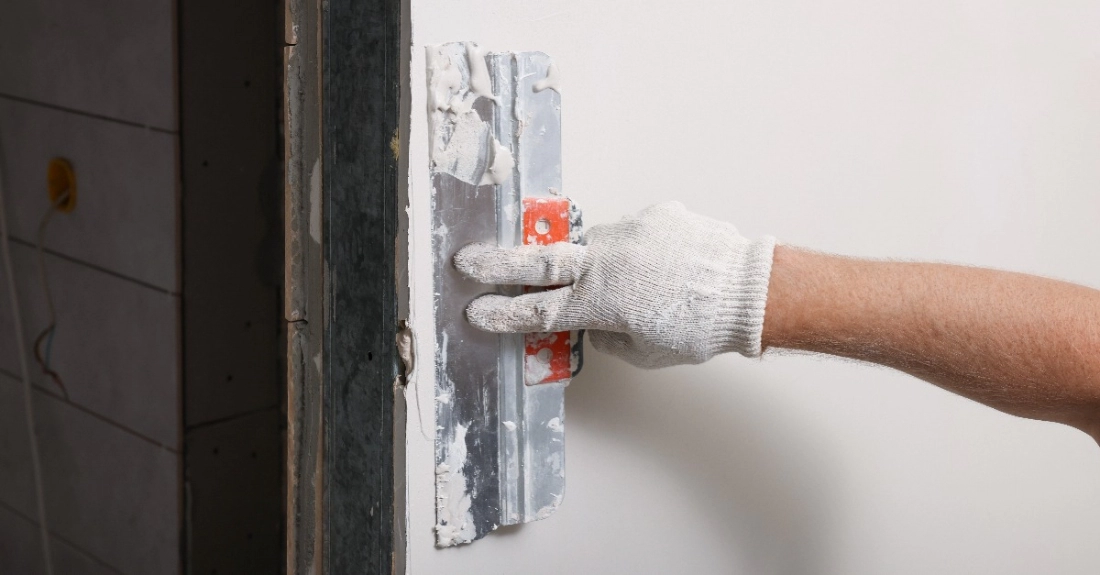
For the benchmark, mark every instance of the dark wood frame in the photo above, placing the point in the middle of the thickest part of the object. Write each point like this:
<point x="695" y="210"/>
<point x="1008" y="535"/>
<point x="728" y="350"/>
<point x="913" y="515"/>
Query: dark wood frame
<point x="342" y="105"/>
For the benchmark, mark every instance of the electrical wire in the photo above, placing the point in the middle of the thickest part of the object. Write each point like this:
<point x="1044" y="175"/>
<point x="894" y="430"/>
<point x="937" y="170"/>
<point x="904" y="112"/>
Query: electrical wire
<point x="21" y="348"/>
<point x="46" y="336"/>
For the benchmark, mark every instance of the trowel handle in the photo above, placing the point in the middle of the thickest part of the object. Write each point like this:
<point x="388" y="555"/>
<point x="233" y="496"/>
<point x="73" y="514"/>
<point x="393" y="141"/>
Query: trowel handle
<point x="549" y="357"/>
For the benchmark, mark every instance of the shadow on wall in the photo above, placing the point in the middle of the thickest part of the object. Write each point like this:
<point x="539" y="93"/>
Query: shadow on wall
<point x="756" y="473"/>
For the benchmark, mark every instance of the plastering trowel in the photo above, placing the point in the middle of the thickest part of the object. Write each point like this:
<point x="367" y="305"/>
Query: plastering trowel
<point x="495" y="124"/>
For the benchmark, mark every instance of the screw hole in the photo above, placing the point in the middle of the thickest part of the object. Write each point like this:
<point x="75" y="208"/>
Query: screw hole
<point x="370" y="356"/>
<point x="205" y="163"/>
<point x="215" y="451"/>
<point x="542" y="227"/>
<point x="247" y="83"/>
<point x="229" y="378"/>
<point x="254" y="456"/>
<point x="544" y="355"/>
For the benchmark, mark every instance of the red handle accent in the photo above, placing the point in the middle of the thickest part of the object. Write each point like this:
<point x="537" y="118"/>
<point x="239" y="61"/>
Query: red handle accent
<point x="548" y="356"/>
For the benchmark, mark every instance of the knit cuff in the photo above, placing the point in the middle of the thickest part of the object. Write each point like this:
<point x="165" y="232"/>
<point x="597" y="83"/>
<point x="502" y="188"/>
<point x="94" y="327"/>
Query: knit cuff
<point x="740" y="318"/>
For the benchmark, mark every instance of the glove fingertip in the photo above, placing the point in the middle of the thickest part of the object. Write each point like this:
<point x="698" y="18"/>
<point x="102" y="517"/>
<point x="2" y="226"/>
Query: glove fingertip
<point x="475" y="260"/>
<point x="502" y="314"/>
<point x="483" y="311"/>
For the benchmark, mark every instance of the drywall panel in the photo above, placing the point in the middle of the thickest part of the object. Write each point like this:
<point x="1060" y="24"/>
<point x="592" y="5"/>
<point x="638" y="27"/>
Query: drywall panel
<point x="125" y="219"/>
<point x="938" y="130"/>
<point x="233" y="476"/>
<point x="113" y="59"/>
<point x="232" y="242"/>
<point x="107" y="491"/>
<point x="116" y="347"/>
<point x="21" y="551"/>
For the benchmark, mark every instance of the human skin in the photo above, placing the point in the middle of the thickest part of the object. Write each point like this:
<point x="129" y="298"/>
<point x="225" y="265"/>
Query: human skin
<point x="1022" y="344"/>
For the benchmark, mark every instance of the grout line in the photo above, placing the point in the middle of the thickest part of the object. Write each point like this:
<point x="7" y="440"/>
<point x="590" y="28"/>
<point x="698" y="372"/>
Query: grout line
<point x="228" y="418"/>
<point x="95" y="267"/>
<point x="50" y="393"/>
<point x="66" y="541"/>
<point x="85" y="114"/>
<point x="105" y="419"/>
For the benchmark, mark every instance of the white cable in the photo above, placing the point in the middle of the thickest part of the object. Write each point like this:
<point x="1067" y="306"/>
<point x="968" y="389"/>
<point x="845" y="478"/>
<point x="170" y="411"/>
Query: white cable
<point x="21" y="348"/>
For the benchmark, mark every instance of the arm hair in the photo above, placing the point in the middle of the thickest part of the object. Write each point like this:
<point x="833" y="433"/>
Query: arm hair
<point x="1022" y="344"/>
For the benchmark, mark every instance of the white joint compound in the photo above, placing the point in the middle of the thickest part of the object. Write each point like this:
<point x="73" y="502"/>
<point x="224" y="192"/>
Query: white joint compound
<point x="552" y="81"/>
<point x="500" y="170"/>
<point x="454" y="521"/>
<point x="462" y="143"/>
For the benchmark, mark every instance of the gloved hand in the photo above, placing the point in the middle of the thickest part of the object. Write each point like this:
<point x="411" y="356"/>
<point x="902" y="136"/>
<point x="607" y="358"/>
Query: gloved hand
<point x="662" y="288"/>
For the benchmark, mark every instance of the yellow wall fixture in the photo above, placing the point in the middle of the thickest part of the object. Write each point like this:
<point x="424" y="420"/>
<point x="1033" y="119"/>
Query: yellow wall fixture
<point x="60" y="179"/>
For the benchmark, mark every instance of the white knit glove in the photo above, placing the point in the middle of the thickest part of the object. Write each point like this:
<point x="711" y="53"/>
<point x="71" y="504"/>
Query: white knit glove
<point x="662" y="288"/>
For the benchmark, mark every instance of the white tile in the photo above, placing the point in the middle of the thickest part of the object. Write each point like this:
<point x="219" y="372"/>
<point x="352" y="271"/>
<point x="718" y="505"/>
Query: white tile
<point x="108" y="492"/>
<point x="19" y="546"/>
<point x="16" y="477"/>
<point x="20" y="550"/>
<point x="127" y="202"/>
<point x="115" y="59"/>
<point x="116" y="345"/>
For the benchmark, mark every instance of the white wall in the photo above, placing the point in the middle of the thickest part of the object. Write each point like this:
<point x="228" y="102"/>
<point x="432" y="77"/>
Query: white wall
<point x="964" y="132"/>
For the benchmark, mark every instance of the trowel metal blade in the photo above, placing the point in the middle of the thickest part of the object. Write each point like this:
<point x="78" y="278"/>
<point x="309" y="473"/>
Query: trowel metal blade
<point x="496" y="139"/>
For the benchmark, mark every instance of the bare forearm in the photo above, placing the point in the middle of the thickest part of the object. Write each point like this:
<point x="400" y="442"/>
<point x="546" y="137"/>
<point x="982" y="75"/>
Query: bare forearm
<point x="1022" y="344"/>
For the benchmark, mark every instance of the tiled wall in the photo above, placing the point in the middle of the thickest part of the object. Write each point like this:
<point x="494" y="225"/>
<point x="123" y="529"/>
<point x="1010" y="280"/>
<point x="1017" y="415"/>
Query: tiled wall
<point x="95" y="83"/>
